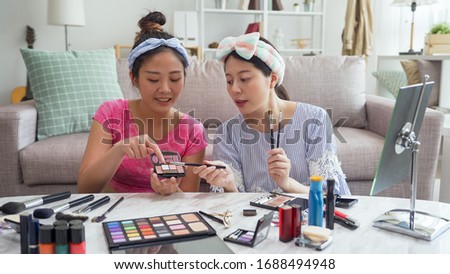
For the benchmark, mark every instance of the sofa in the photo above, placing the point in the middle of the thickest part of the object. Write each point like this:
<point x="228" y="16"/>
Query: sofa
<point x="336" y="83"/>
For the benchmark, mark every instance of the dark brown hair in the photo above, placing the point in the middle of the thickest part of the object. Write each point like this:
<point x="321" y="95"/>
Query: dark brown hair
<point x="151" y="27"/>
<point x="264" y="68"/>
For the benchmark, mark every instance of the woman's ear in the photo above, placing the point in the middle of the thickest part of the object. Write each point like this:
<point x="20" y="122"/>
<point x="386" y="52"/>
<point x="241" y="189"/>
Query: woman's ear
<point x="273" y="80"/>
<point x="132" y="78"/>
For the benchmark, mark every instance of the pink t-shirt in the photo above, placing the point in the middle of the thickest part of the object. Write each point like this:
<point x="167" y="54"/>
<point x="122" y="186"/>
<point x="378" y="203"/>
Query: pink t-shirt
<point x="133" y="175"/>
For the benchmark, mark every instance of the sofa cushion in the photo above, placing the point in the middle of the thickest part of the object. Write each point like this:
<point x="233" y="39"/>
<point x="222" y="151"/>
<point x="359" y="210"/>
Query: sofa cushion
<point x="359" y="151"/>
<point x="69" y="86"/>
<point x="55" y="160"/>
<point x="336" y="83"/>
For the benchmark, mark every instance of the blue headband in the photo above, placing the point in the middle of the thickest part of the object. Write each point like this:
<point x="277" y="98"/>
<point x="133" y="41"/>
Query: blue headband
<point x="153" y="43"/>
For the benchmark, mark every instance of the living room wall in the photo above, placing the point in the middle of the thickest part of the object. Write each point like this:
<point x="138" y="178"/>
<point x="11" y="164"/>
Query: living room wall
<point x="110" y="22"/>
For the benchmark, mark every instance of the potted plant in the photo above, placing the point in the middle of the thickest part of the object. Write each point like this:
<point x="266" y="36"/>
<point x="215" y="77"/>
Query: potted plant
<point x="438" y="39"/>
<point x="296" y="7"/>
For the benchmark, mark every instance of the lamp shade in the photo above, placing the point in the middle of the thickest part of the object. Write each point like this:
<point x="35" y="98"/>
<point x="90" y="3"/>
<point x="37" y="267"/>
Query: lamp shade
<point x="408" y="2"/>
<point x="65" y="12"/>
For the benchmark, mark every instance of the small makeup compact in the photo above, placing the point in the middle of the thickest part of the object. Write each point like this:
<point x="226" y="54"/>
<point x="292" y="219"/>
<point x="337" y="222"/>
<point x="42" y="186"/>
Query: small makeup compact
<point x="274" y="201"/>
<point x="252" y="238"/>
<point x="168" y="170"/>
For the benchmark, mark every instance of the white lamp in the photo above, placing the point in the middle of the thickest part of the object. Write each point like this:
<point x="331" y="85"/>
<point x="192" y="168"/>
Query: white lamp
<point x="413" y="5"/>
<point x="66" y="13"/>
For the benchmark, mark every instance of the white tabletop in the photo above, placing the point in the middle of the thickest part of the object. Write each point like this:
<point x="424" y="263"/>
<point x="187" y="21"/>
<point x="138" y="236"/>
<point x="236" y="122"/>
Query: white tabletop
<point x="365" y="239"/>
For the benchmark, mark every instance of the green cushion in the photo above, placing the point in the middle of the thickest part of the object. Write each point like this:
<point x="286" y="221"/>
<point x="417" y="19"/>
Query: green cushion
<point x="391" y="80"/>
<point x="69" y="86"/>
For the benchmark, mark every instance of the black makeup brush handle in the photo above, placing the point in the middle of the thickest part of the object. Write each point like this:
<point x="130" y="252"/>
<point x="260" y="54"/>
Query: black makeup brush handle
<point x="81" y="200"/>
<point x="55" y="197"/>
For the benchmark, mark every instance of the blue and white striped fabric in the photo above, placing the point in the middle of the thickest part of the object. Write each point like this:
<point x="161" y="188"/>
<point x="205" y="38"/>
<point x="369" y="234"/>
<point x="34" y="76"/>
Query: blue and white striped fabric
<point x="308" y="141"/>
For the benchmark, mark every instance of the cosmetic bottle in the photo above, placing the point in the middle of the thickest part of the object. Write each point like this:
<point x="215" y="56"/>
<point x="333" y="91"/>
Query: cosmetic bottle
<point x="329" y="204"/>
<point x="77" y="240"/>
<point x="315" y="202"/>
<point x="75" y="222"/>
<point x="296" y="220"/>
<point x="46" y="239"/>
<point x="285" y="225"/>
<point x="62" y="239"/>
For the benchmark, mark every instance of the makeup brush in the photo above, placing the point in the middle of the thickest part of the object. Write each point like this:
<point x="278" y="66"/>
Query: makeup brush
<point x="100" y="218"/>
<point x="70" y="217"/>
<point x="93" y="205"/>
<point x="280" y="117"/>
<point x="195" y="164"/>
<point x="272" y="137"/>
<point x="44" y="213"/>
<point x="17" y="207"/>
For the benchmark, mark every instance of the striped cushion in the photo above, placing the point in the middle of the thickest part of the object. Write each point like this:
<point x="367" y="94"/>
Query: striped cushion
<point x="69" y="86"/>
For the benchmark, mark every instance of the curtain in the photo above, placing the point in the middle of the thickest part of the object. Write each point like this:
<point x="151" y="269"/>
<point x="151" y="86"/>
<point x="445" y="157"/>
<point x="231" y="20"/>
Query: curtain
<point x="357" y="34"/>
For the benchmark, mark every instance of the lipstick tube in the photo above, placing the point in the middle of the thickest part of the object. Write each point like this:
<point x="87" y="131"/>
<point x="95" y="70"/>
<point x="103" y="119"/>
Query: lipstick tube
<point x="296" y="220"/>
<point x="285" y="223"/>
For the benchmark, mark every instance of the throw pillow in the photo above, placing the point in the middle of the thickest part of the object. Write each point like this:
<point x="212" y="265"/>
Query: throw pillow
<point x="433" y="69"/>
<point x="69" y="86"/>
<point x="335" y="83"/>
<point x="411" y="70"/>
<point x="391" y="80"/>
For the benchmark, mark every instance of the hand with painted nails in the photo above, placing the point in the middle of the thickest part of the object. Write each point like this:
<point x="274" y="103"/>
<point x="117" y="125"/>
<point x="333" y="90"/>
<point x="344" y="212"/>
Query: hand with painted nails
<point x="217" y="177"/>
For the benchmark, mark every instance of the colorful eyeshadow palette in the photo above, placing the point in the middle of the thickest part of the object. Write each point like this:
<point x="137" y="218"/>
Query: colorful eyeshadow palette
<point x="274" y="201"/>
<point x="252" y="238"/>
<point x="158" y="229"/>
<point x="168" y="170"/>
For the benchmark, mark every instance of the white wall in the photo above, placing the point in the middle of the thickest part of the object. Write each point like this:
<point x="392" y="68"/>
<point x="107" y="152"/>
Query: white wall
<point x="110" y="22"/>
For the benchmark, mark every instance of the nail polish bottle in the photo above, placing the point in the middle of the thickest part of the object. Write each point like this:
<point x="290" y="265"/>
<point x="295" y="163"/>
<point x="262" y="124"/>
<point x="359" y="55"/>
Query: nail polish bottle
<point x="46" y="239"/>
<point x="77" y="240"/>
<point x="62" y="239"/>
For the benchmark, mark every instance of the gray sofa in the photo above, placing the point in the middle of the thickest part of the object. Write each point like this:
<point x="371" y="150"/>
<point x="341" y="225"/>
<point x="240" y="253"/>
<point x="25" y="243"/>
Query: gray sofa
<point x="336" y="83"/>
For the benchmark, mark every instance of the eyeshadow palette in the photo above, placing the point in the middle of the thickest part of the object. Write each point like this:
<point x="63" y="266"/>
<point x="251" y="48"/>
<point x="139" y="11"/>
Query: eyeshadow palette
<point x="274" y="201"/>
<point x="252" y="238"/>
<point x="157" y="229"/>
<point x="168" y="170"/>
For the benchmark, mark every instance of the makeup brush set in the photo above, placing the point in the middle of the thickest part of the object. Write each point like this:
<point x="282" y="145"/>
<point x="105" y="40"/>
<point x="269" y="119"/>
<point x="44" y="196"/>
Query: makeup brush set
<point x="58" y="210"/>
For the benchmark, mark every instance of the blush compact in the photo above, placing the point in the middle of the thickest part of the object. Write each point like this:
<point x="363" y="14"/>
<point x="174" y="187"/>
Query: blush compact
<point x="168" y="170"/>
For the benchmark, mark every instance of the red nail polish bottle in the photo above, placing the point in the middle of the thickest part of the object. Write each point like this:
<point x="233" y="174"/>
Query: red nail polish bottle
<point x="77" y="240"/>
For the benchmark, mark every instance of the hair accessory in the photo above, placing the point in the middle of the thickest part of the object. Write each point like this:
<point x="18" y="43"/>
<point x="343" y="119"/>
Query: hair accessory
<point x="153" y="43"/>
<point x="249" y="45"/>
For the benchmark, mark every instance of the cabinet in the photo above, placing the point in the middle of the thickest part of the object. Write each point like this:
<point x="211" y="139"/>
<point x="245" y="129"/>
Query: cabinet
<point x="218" y="21"/>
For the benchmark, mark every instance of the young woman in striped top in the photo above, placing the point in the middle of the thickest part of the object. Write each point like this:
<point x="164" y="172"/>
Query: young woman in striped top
<point x="301" y="144"/>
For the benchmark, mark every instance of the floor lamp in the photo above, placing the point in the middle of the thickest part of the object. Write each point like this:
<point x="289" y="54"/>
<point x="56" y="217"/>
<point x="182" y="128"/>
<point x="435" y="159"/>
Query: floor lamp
<point x="413" y="5"/>
<point x="66" y="13"/>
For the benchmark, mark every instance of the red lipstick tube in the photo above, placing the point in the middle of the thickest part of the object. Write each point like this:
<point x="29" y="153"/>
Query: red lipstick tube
<point x="285" y="223"/>
<point x="296" y="220"/>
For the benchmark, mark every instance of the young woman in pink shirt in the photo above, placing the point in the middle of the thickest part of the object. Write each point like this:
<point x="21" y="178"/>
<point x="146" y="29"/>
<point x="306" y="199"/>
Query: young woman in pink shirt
<point x="125" y="132"/>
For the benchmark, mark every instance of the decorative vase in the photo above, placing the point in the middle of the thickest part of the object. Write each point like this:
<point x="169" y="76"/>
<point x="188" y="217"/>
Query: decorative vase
<point x="221" y="4"/>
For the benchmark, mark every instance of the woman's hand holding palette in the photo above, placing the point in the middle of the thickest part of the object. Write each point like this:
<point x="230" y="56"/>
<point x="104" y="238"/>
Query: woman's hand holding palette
<point x="168" y="170"/>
